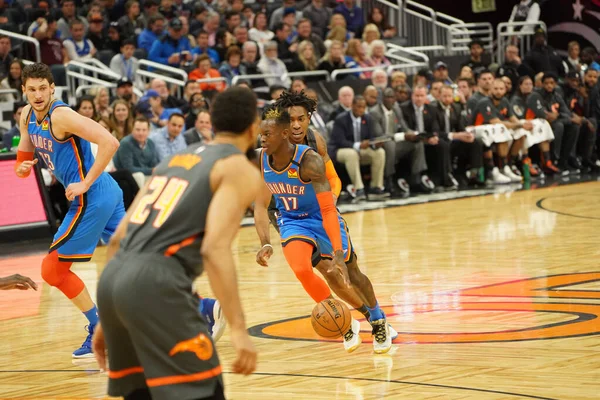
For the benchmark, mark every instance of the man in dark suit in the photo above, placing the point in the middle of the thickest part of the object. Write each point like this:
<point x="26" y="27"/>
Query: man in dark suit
<point x="350" y="145"/>
<point x="344" y="102"/>
<point x="390" y="122"/>
<point x="421" y="119"/>
<point x="464" y="147"/>
<point x="202" y="130"/>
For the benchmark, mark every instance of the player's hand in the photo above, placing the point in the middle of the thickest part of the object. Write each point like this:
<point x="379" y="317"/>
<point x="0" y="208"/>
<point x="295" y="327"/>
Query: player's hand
<point x="99" y="347"/>
<point x="17" y="281"/>
<point x="76" y="189"/>
<point x="245" y="360"/>
<point x="339" y="264"/>
<point x="25" y="167"/>
<point x="528" y="126"/>
<point x="263" y="255"/>
<point x="465" y="137"/>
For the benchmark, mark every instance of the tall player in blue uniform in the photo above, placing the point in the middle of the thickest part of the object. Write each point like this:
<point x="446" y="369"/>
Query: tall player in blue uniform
<point x="296" y="176"/>
<point x="61" y="138"/>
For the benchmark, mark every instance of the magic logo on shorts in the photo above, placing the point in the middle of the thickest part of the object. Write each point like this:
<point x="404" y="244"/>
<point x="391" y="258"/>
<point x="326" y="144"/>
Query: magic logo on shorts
<point x="199" y="345"/>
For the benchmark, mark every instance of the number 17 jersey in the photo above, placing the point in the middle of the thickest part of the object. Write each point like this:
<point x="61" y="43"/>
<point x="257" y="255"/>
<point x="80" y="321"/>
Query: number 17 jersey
<point x="294" y="198"/>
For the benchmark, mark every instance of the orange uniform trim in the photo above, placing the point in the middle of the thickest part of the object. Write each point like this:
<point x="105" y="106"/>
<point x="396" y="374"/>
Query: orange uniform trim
<point x="125" y="372"/>
<point x="333" y="178"/>
<point x="479" y="120"/>
<point x="330" y="219"/>
<point x="73" y="222"/>
<point x="530" y="115"/>
<point x="78" y="158"/>
<point x="23" y="156"/>
<point x="175" y="379"/>
<point x="174" y="248"/>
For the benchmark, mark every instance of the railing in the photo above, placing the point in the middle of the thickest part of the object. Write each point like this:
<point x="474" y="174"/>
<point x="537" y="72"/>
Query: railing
<point x="80" y="73"/>
<point x="391" y="8"/>
<point x="418" y="24"/>
<point x="302" y="74"/>
<point x="461" y="34"/>
<point x="252" y="77"/>
<point x="34" y="41"/>
<point x="84" y="88"/>
<point x="149" y="70"/>
<point x="523" y="40"/>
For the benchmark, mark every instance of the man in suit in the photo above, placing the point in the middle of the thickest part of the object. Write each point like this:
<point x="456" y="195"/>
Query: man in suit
<point x="421" y="118"/>
<point x="349" y="145"/>
<point x="464" y="147"/>
<point x="202" y="130"/>
<point x="345" y="97"/>
<point x="390" y="121"/>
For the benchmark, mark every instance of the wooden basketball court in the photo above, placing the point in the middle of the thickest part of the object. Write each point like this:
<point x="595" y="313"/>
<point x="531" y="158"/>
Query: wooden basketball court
<point x="494" y="297"/>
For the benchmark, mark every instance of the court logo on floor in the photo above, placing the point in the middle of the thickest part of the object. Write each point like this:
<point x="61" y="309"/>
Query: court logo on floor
<point x="548" y="307"/>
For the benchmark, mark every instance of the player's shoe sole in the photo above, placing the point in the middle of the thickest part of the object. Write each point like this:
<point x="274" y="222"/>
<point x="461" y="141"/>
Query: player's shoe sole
<point x="220" y="322"/>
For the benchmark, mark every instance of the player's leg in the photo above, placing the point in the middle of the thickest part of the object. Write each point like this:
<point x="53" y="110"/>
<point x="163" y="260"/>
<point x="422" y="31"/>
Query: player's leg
<point x="125" y="371"/>
<point x="298" y="254"/>
<point x="170" y="337"/>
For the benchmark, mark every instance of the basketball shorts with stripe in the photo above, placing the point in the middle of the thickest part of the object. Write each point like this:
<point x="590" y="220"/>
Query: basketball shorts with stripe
<point x="154" y="333"/>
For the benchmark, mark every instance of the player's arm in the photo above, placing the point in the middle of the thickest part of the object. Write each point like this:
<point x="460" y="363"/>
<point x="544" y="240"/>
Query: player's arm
<point x="65" y="121"/>
<point x="330" y="173"/>
<point x="26" y="149"/>
<point x="234" y="184"/>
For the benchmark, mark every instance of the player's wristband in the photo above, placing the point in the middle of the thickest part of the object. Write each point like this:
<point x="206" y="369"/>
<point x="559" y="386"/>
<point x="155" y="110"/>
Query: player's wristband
<point x="23" y="156"/>
<point x="267" y="245"/>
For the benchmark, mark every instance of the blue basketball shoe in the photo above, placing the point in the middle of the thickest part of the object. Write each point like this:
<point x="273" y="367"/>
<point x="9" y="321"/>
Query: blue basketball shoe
<point x="85" y="351"/>
<point x="210" y="309"/>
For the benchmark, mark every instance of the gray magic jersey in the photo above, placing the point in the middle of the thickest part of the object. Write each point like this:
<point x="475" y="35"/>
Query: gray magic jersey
<point x="170" y="219"/>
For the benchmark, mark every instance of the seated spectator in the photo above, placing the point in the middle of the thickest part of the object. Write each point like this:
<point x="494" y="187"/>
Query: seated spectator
<point x="338" y="33"/>
<point x="306" y="60"/>
<point x="435" y="92"/>
<point x="232" y="66"/>
<point x="285" y="51"/>
<point x="423" y="77"/>
<point x="397" y="78"/>
<point x="185" y="31"/>
<point x="168" y="100"/>
<point x="440" y="73"/>
<point x="14" y="130"/>
<point x="13" y="81"/>
<point x="173" y="49"/>
<point x="131" y="24"/>
<point x="137" y="153"/>
<point x="304" y="30"/>
<point x="69" y="14"/>
<point x="240" y="34"/>
<point x="476" y="61"/>
<point x="543" y="58"/>
<point x="150" y="10"/>
<point x="353" y="14"/>
<point x="466" y="73"/>
<point x="114" y="37"/>
<point x="260" y="32"/>
<point x="589" y="58"/>
<point x="357" y="52"/>
<point x="371" y="97"/>
<point x="573" y="61"/>
<point x="153" y="31"/>
<point x="169" y="140"/>
<point x="203" y="48"/>
<point x="403" y="94"/>
<point x="270" y="64"/>
<point x="370" y="34"/>
<point x="248" y="14"/>
<point x="318" y="15"/>
<point x="344" y="102"/>
<point x="211" y="26"/>
<point x="160" y="114"/>
<point x="349" y="144"/>
<point x="275" y="91"/>
<point x="335" y="59"/>
<point x="125" y="64"/>
<point x="379" y="78"/>
<point x="204" y="71"/>
<point x="122" y="119"/>
<point x="96" y="33"/>
<point x="51" y="47"/>
<point x="202" y="131"/>
<point x="5" y="56"/>
<point x="125" y="92"/>
<point x="199" y="16"/>
<point x="250" y="57"/>
<point x="197" y="104"/>
<point x="224" y="40"/>
<point x="378" y="18"/>
<point x="513" y="67"/>
<point x="525" y="11"/>
<point x="77" y="46"/>
<point x="101" y="101"/>
<point x="85" y="106"/>
<point x="277" y="15"/>
<point x="377" y="54"/>
<point x="233" y="19"/>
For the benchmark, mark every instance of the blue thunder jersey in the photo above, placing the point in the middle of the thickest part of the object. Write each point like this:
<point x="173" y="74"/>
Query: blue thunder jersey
<point x="295" y="199"/>
<point x="69" y="160"/>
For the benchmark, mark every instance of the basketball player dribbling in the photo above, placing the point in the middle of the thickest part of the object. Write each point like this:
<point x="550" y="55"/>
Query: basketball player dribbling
<point x="308" y="219"/>
<point x="61" y="138"/>
<point x="183" y="222"/>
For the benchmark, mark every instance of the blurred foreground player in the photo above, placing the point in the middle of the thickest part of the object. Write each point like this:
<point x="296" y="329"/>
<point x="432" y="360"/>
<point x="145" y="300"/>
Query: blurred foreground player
<point x="182" y="222"/>
<point x="17" y="281"/>
<point x="61" y="138"/>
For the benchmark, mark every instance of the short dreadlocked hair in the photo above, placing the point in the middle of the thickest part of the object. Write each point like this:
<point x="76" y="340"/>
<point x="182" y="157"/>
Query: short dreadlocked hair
<point x="292" y="99"/>
<point x="273" y="112"/>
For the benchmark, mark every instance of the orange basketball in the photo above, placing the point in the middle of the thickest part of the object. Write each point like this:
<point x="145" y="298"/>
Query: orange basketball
<point x="331" y="319"/>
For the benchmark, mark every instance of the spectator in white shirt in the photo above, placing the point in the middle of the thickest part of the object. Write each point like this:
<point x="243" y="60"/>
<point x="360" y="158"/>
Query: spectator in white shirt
<point x="78" y="47"/>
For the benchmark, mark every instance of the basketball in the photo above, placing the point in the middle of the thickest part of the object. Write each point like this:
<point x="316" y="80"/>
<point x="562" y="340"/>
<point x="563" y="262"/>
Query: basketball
<point x="331" y="319"/>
